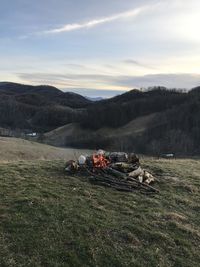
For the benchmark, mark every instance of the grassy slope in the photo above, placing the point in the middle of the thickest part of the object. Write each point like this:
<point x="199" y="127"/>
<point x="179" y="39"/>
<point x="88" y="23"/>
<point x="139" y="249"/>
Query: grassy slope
<point x="13" y="149"/>
<point x="59" y="135"/>
<point x="134" y="127"/>
<point x="50" y="219"/>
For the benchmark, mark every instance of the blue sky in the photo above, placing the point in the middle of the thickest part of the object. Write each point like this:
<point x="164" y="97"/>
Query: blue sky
<point x="92" y="46"/>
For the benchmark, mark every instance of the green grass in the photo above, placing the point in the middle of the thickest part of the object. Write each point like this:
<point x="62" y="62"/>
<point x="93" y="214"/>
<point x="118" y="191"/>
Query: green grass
<point x="50" y="219"/>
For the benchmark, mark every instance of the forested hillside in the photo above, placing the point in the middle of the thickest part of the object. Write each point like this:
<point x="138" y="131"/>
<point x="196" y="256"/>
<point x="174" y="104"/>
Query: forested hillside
<point x="174" y="124"/>
<point x="38" y="108"/>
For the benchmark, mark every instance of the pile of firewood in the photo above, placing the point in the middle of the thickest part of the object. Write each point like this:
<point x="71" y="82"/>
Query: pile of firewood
<point x="117" y="170"/>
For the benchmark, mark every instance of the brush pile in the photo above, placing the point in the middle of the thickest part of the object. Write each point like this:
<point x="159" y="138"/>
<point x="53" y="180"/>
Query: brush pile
<point x="117" y="170"/>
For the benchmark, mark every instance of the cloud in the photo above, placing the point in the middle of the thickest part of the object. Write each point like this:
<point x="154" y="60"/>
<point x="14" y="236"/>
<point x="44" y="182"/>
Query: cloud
<point x="137" y="63"/>
<point x="92" y="23"/>
<point x="95" y="81"/>
<point x="75" y="66"/>
<point x="172" y="80"/>
<point x="69" y="80"/>
<point x="131" y="61"/>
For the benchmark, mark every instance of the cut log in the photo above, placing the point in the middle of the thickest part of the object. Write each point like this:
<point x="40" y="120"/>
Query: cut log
<point x="136" y="173"/>
<point x="148" y="177"/>
<point x="124" y="167"/>
<point x="115" y="173"/>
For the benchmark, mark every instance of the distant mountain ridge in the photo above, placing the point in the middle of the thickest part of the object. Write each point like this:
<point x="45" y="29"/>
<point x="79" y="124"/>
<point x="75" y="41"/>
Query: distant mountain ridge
<point x="40" y="108"/>
<point x="48" y="91"/>
<point x="94" y="99"/>
<point x="151" y="122"/>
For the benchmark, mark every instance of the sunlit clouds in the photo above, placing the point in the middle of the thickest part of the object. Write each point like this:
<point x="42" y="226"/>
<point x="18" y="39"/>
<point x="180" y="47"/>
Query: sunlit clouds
<point x="95" y="22"/>
<point x="106" y="45"/>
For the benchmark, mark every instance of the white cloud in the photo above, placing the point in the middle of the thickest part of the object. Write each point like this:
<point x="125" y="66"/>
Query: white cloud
<point x="123" y="82"/>
<point x="92" y="23"/>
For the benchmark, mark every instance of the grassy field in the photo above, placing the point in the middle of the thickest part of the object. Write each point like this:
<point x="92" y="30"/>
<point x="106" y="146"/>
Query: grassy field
<point x="50" y="219"/>
<point x="15" y="149"/>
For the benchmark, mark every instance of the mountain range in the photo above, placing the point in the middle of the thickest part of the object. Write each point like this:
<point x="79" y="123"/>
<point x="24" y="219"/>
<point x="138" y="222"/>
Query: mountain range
<point x="152" y="122"/>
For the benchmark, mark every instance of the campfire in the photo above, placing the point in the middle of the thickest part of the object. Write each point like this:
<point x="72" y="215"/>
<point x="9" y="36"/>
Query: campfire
<point x="117" y="170"/>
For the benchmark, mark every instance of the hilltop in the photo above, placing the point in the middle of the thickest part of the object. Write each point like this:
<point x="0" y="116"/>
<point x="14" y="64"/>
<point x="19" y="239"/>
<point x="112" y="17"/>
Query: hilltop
<point x="38" y="108"/>
<point x="48" y="218"/>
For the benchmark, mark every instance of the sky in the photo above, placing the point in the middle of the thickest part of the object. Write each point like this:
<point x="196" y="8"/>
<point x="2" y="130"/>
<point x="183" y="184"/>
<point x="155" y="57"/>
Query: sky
<point x="100" y="48"/>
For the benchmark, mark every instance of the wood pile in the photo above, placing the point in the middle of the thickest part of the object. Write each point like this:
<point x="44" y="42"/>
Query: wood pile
<point x="118" y="170"/>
